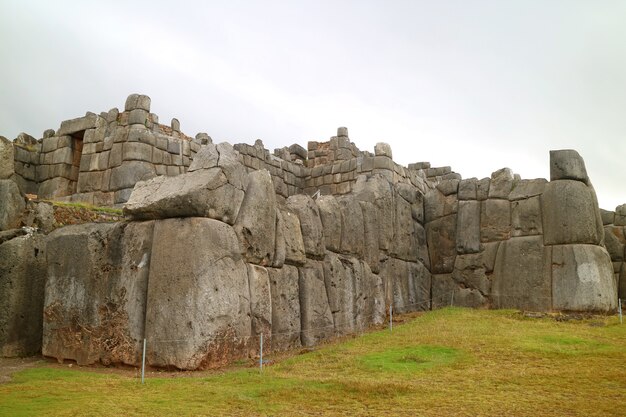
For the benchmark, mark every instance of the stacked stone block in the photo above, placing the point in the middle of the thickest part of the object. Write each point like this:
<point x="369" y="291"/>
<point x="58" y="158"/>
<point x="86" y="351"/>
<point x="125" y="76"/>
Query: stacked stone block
<point x="614" y="223"/>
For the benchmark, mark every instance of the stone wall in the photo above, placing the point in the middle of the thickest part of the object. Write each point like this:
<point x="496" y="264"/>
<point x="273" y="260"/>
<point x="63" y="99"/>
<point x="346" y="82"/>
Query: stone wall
<point x="222" y="244"/>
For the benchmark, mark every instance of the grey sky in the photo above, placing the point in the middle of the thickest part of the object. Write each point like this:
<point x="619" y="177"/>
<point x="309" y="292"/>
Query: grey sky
<point x="477" y="85"/>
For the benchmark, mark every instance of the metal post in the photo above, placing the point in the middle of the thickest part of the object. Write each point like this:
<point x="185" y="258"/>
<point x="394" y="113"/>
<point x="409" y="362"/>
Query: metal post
<point x="391" y="317"/>
<point x="452" y="299"/>
<point x="261" y="354"/>
<point x="143" y="361"/>
<point x="619" y="301"/>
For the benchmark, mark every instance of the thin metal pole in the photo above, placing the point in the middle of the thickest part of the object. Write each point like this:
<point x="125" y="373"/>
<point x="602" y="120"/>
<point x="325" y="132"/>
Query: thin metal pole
<point x="452" y="299"/>
<point x="261" y="354"/>
<point x="143" y="361"/>
<point x="391" y="317"/>
<point x="619" y="300"/>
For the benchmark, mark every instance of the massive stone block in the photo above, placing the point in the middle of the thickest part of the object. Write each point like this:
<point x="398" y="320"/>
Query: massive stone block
<point x="77" y="125"/>
<point x="471" y="271"/>
<point x="582" y="279"/>
<point x="405" y="243"/>
<point x="468" y="227"/>
<point x="294" y="244"/>
<point x="447" y="292"/>
<point x="330" y="215"/>
<point x="352" y="227"/>
<point x="371" y="252"/>
<point x="339" y="278"/>
<point x="316" y="317"/>
<point x="6" y="158"/>
<point x="407" y="285"/>
<point x="12" y="205"/>
<point x="441" y="237"/>
<point x="570" y="214"/>
<point x="310" y="224"/>
<point x="256" y="221"/>
<point x="22" y="280"/>
<point x="524" y="189"/>
<point x="501" y="183"/>
<point x="285" y="307"/>
<point x="620" y="215"/>
<point x="198" y="313"/>
<point x="522" y="275"/>
<point x="614" y="241"/>
<point x="436" y="205"/>
<point x="526" y="217"/>
<point x="130" y="173"/>
<point x="495" y="220"/>
<point x="95" y="295"/>
<point x="567" y="164"/>
<point x="202" y="193"/>
<point x="378" y="191"/>
<point x="260" y="305"/>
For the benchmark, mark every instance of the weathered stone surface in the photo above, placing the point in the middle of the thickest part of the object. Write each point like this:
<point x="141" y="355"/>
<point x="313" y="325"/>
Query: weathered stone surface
<point x="55" y="187"/>
<point x="339" y="278"/>
<point x="22" y="280"/>
<point x="285" y="307"/>
<point x="280" y="246"/>
<point x="198" y="313"/>
<point x="471" y="271"/>
<point x="371" y="253"/>
<point x="524" y="189"/>
<point x="569" y="214"/>
<point x="378" y="191"/>
<point x="448" y="187"/>
<point x="315" y="314"/>
<point x="482" y="189"/>
<point x="203" y="193"/>
<point x="310" y="224"/>
<point x="495" y="220"/>
<point x="436" y="205"/>
<point x="352" y="226"/>
<point x="621" y="290"/>
<point x="294" y="244"/>
<point x="222" y="155"/>
<point x="330" y="215"/>
<point x="608" y="217"/>
<point x="614" y="241"/>
<point x="76" y="125"/>
<point x="501" y="183"/>
<point x="405" y="243"/>
<point x="130" y="173"/>
<point x="446" y="292"/>
<point x="567" y="164"/>
<point x="620" y="215"/>
<point x="382" y="149"/>
<point x="6" y="158"/>
<point x="407" y="285"/>
<point x="526" y="217"/>
<point x="12" y="205"/>
<point x="522" y="275"/>
<point x="441" y="237"/>
<point x="260" y="305"/>
<point x="468" y="227"/>
<point x="467" y="189"/>
<point x="582" y="279"/>
<point x="95" y="292"/>
<point x="256" y="221"/>
<point x="137" y="101"/>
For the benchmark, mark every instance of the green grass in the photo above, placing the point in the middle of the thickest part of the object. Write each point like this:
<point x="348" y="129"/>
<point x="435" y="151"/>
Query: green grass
<point x="87" y="206"/>
<point x="450" y="362"/>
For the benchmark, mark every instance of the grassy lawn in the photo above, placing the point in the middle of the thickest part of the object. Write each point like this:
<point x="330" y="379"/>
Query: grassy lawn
<point x="450" y="362"/>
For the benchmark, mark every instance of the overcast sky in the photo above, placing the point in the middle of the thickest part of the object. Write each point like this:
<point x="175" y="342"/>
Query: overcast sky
<point x="477" y="85"/>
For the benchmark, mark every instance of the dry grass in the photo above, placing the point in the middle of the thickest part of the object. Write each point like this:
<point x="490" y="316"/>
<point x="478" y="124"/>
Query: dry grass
<point x="450" y="362"/>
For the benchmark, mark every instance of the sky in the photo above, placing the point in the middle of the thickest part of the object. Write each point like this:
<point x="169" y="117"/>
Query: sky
<point x="476" y="85"/>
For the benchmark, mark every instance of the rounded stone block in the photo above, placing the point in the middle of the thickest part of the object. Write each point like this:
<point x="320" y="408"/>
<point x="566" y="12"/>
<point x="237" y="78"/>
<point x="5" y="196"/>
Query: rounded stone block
<point x="567" y="164"/>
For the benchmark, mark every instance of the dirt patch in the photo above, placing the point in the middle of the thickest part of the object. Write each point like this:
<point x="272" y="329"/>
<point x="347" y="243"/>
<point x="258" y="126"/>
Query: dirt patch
<point x="9" y="366"/>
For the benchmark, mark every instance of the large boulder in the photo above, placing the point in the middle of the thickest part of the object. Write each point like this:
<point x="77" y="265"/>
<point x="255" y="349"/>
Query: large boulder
<point x="405" y="242"/>
<point x="315" y="315"/>
<point x="371" y="253"/>
<point x="379" y="191"/>
<point x="407" y="285"/>
<point x="310" y="224"/>
<point x="12" y="205"/>
<point x="285" y="307"/>
<point x="7" y="165"/>
<point x="570" y="214"/>
<point x="522" y="275"/>
<point x="256" y="221"/>
<point x="339" y="277"/>
<point x="198" y="313"/>
<point x="95" y="295"/>
<point x="352" y="227"/>
<point x="22" y="280"/>
<point x="526" y="217"/>
<point x="495" y="220"/>
<point x="582" y="279"/>
<point x="202" y="193"/>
